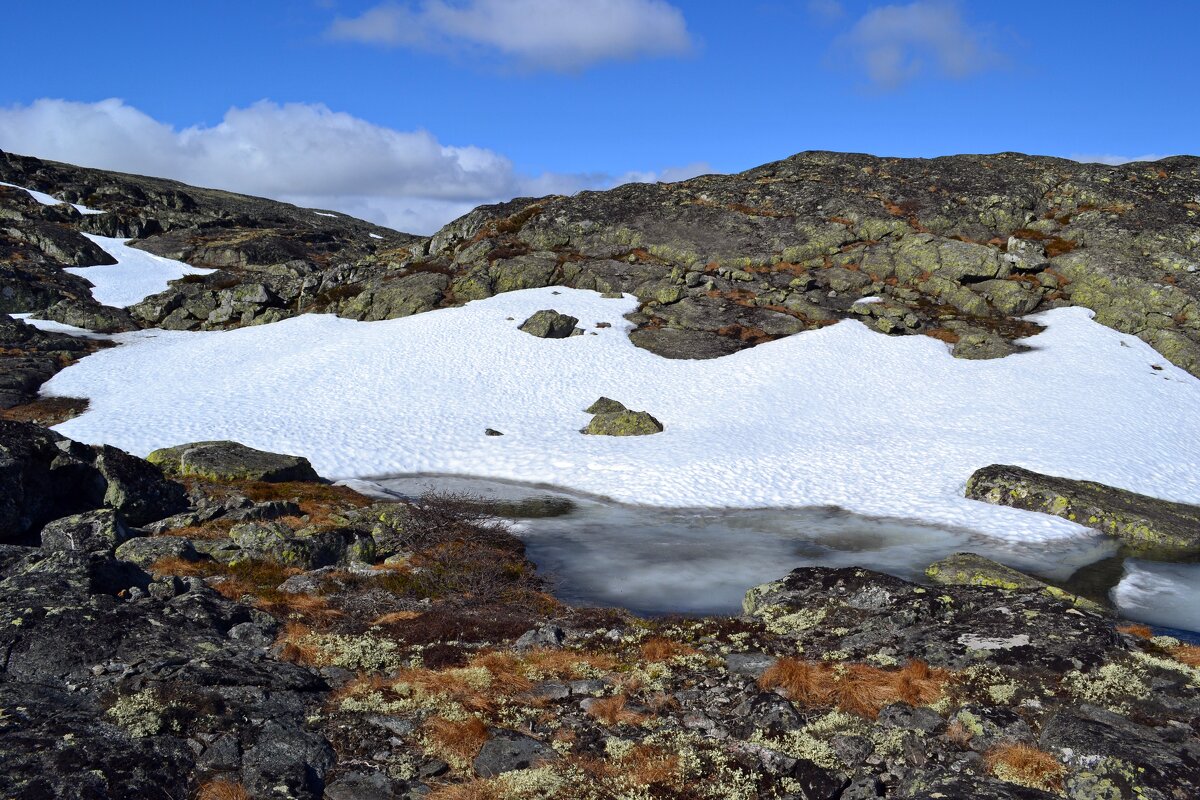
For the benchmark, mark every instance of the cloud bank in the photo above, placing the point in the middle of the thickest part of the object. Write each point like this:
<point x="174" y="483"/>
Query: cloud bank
<point x="893" y="45"/>
<point x="1114" y="160"/>
<point x="299" y="153"/>
<point x="562" y="35"/>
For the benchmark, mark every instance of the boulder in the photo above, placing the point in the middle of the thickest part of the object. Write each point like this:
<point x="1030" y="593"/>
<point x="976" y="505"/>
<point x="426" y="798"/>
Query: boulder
<point x="101" y="531"/>
<point x="89" y="315"/>
<point x="605" y="406"/>
<point x="508" y="750"/>
<point x="969" y="569"/>
<point x="1144" y="523"/>
<point x="859" y="614"/>
<point x="623" y="423"/>
<point x="549" y="324"/>
<point x="228" y="461"/>
<point x="270" y="541"/>
<point x="145" y="550"/>
<point x="45" y="476"/>
<point x="685" y="344"/>
<point x="136" y="487"/>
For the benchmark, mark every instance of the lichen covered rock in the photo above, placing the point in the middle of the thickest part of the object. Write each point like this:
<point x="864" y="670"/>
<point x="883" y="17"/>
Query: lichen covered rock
<point x="225" y="460"/>
<point x="1142" y="522"/>
<point x="623" y="423"/>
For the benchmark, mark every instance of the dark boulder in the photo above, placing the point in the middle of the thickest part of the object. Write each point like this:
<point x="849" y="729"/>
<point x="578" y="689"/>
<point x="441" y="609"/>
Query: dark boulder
<point x="549" y="324"/>
<point x="45" y="476"/>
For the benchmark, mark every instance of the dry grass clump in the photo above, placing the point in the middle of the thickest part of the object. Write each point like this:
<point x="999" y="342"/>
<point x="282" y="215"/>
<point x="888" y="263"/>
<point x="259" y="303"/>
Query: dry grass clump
<point x="1187" y="653"/>
<point x="1026" y="765"/>
<point x="460" y="740"/>
<point x="566" y="664"/>
<point x="613" y="711"/>
<point x="647" y="765"/>
<point x="46" y="410"/>
<point x="222" y="790"/>
<point x="855" y="688"/>
<point x="660" y="649"/>
<point x="258" y="579"/>
<point x="941" y="334"/>
<point x="1140" y="631"/>
<point x="959" y="735"/>
<point x="394" y="617"/>
<point x="480" y="789"/>
<point x="644" y="766"/>
<point x="297" y="646"/>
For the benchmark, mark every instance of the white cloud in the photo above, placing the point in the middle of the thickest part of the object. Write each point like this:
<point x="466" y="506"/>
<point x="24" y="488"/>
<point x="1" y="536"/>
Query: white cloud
<point x="826" y="10"/>
<point x="666" y="175"/>
<point x="550" y="34"/>
<point x="895" y="44"/>
<point x="302" y="154"/>
<point x="1114" y="160"/>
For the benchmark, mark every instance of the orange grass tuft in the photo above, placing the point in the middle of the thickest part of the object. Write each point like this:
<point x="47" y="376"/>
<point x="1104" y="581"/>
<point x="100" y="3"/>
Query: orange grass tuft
<point x="855" y="688"/>
<point x="660" y="649"/>
<point x="460" y="739"/>
<point x="1187" y="653"/>
<point x="1025" y="765"/>
<point x="613" y="711"/>
<point x="222" y="790"/>
<point x="1140" y="631"/>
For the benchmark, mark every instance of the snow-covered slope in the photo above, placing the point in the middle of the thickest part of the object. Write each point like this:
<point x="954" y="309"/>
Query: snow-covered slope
<point x="50" y="200"/>
<point x="136" y="275"/>
<point x="839" y="416"/>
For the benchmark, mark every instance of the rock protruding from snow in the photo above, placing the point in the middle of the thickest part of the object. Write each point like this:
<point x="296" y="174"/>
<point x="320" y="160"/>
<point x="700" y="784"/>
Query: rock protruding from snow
<point x="549" y="324"/>
<point x="1144" y="522"/>
<point x="225" y="460"/>
<point x="623" y="423"/>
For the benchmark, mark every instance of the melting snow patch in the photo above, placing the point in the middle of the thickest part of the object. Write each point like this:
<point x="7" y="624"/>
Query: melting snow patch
<point x="1160" y="594"/>
<point x="374" y="235"/>
<point x="60" y="327"/>
<point x="50" y="200"/>
<point x="840" y="416"/>
<point x="136" y="275"/>
<point x="323" y="214"/>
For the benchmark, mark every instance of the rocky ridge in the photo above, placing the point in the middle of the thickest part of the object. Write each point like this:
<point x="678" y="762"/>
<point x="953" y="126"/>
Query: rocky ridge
<point x="960" y="248"/>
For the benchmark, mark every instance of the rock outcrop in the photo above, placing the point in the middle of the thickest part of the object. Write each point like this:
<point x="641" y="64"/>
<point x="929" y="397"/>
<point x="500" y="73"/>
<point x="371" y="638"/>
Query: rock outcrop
<point x="225" y="460"/>
<point x="256" y="645"/>
<point x="958" y="248"/>
<point x="45" y="476"/>
<point x="1143" y="523"/>
<point x="970" y="569"/>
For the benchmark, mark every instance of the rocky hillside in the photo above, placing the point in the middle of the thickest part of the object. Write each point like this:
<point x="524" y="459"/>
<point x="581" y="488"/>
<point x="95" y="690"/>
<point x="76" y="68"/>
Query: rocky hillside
<point x="958" y="248"/>
<point x="222" y="625"/>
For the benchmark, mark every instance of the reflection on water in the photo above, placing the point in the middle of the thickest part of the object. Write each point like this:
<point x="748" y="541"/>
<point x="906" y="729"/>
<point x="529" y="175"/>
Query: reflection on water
<point x="655" y="560"/>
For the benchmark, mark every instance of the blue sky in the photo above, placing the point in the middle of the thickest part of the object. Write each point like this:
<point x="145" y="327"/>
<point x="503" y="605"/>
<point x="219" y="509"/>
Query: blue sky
<point x="412" y="112"/>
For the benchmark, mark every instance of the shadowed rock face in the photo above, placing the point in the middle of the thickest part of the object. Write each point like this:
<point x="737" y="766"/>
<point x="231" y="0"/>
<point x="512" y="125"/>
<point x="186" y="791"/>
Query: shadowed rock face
<point x="959" y="248"/>
<point x="1142" y="522"/>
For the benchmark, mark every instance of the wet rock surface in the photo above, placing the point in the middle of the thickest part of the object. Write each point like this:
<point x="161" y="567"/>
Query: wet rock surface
<point x="1143" y="523"/>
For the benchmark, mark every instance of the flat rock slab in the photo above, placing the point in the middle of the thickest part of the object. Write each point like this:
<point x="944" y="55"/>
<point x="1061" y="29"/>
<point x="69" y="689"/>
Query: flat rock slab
<point x="969" y="569"/>
<point x="224" y="460"/>
<point x="1143" y="522"/>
